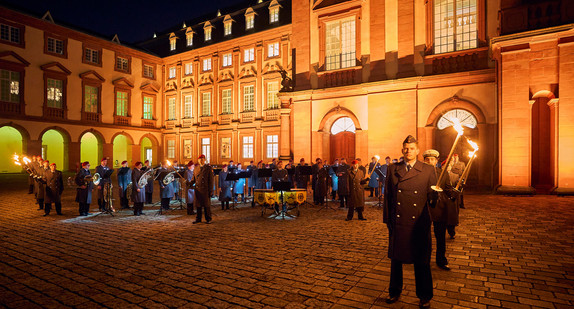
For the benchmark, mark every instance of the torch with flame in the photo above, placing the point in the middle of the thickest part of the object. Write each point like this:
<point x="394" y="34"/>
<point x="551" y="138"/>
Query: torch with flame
<point x="23" y="161"/>
<point x="460" y="131"/>
<point x="472" y="156"/>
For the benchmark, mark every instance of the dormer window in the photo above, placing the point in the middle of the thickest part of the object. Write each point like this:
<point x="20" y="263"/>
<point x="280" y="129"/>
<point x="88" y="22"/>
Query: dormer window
<point x="207" y="27"/>
<point x="172" y="40"/>
<point x="274" y="11"/>
<point x="189" y="39"/>
<point x="227" y="29"/>
<point x="249" y="19"/>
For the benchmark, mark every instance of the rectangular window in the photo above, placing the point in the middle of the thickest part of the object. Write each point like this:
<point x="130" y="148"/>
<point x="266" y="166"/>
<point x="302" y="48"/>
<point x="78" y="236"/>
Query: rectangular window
<point x="249" y="55"/>
<point x="226" y="101"/>
<point x="227" y="60"/>
<point x="207" y="34"/>
<point x="122" y="64"/>
<point x="274" y="15"/>
<point x="249" y="98"/>
<point x="90" y="99"/>
<point x="206" y="65"/>
<point x="455" y="25"/>
<point x="10" y="34"/>
<point x="248" y="147"/>
<point x="272" y="99"/>
<point x="172" y="44"/>
<point x="272" y="146"/>
<point x="55" y="92"/>
<point x="227" y="28"/>
<point x="206" y="104"/>
<point x="55" y="46"/>
<point x="171" y="149"/>
<point x="249" y="22"/>
<point x="148" y="108"/>
<point x="206" y="148"/>
<point x="172" y="72"/>
<point x="187" y="148"/>
<point x="189" y="39"/>
<point x="188" y="111"/>
<point x="92" y="56"/>
<point x="340" y="44"/>
<point x="189" y="68"/>
<point x="9" y="86"/>
<point x="171" y="109"/>
<point x="148" y="71"/>
<point x="121" y="103"/>
<point x="273" y="50"/>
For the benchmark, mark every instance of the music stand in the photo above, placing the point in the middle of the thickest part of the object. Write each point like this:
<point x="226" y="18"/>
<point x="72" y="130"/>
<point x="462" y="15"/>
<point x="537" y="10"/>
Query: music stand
<point x="281" y="186"/>
<point x="264" y="173"/>
<point x="232" y="177"/>
<point x="107" y="209"/>
<point x="245" y="174"/>
<point x="328" y="185"/>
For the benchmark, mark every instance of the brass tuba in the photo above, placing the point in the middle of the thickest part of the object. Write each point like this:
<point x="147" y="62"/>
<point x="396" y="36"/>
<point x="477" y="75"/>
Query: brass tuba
<point x="169" y="178"/>
<point x="144" y="178"/>
<point x="96" y="179"/>
<point x="129" y="191"/>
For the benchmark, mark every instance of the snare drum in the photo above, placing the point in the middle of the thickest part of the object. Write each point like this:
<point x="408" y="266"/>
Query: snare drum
<point x="295" y="196"/>
<point x="266" y="196"/>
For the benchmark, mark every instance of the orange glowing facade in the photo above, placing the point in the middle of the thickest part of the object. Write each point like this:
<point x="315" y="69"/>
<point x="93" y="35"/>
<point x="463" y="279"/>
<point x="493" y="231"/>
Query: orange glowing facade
<point x="307" y="79"/>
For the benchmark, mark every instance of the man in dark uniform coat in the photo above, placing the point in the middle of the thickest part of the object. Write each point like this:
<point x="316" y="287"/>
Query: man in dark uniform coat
<point x="31" y="176"/>
<point x="54" y="189"/>
<point x="408" y="196"/>
<point x="138" y="194"/>
<point x="39" y="185"/>
<point x="84" y="190"/>
<point x="165" y="191"/>
<point x="279" y="175"/>
<point x="300" y="179"/>
<point x="315" y="171"/>
<point x="124" y="179"/>
<point x="252" y="179"/>
<point x="149" y="186"/>
<point x="322" y="179"/>
<point x="225" y="188"/>
<point x="445" y="212"/>
<point x="356" y="180"/>
<point x="343" y="187"/>
<point x="102" y="169"/>
<point x="203" y="179"/>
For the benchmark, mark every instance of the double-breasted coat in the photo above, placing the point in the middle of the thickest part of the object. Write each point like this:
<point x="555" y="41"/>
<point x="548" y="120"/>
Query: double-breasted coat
<point x="356" y="189"/>
<point x="54" y="186"/>
<point x="137" y="197"/>
<point x="190" y="192"/>
<point x="225" y="186"/>
<point x="203" y="179"/>
<point x="124" y="179"/>
<point x="408" y="196"/>
<point x="83" y="195"/>
<point x="40" y="183"/>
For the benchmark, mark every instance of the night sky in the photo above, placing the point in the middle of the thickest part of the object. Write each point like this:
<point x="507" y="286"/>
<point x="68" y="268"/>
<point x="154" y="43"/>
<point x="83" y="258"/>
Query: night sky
<point x="133" y="21"/>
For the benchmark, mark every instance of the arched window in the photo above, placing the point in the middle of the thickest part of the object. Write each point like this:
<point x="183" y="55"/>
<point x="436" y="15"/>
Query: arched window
<point x="343" y="124"/>
<point x="466" y="119"/>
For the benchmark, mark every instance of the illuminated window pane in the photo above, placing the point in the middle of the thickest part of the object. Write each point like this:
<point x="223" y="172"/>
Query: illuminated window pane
<point x="121" y="103"/>
<point x="273" y="50"/>
<point x="91" y="99"/>
<point x="272" y="99"/>
<point x="249" y="21"/>
<point x="10" y="86"/>
<point x="340" y="46"/>
<point x="172" y="72"/>
<point x="249" y="55"/>
<point x="226" y="101"/>
<point x="171" y="149"/>
<point x="249" y="98"/>
<point x="54" y="93"/>
<point x="171" y="108"/>
<point x="272" y="146"/>
<point x="206" y="104"/>
<point x="188" y="68"/>
<point x="188" y="106"/>
<point x="455" y="23"/>
<point x="206" y="148"/>
<point x="464" y="117"/>
<point x="248" y="147"/>
<point x="344" y="124"/>
<point x="227" y="28"/>
<point x="148" y="108"/>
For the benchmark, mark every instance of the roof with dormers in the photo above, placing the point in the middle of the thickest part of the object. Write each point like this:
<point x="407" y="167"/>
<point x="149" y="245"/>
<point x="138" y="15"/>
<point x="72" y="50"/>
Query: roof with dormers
<point x="160" y="45"/>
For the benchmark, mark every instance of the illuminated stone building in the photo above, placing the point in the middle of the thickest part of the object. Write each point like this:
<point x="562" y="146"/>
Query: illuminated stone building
<point x="364" y="75"/>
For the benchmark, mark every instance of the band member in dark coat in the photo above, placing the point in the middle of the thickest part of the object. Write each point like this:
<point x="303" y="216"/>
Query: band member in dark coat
<point x="252" y="181"/>
<point x="84" y="190"/>
<point x="138" y="194"/>
<point x="314" y="172"/>
<point x="225" y="188"/>
<point x="190" y="191"/>
<point x="124" y="179"/>
<point x="301" y="180"/>
<point x="343" y="189"/>
<point x="102" y="169"/>
<point x="54" y="189"/>
<point x="290" y="167"/>
<point x="321" y="185"/>
<point x="280" y="175"/>
<point x="31" y="176"/>
<point x="406" y="212"/>
<point x="334" y="179"/>
<point x="203" y="179"/>
<point x="149" y="186"/>
<point x="445" y="212"/>
<point x="40" y="187"/>
<point x="374" y="177"/>
<point x="166" y="190"/>
<point x="356" y="180"/>
<point x="175" y="183"/>
<point x="384" y="169"/>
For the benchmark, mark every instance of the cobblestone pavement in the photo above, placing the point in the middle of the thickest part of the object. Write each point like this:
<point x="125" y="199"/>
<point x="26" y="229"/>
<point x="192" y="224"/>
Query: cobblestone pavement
<point x="513" y="252"/>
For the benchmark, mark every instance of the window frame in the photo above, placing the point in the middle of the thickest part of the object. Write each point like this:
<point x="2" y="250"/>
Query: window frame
<point x="250" y="144"/>
<point x="22" y="33"/>
<point x="169" y="110"/>
<point x="85" y="47"/>
<point x="245" y="54"/>
<point x="64" y="40"/>
<point x="153" y="96"/>
<point x="169" y="71"/>
<point x="185" y="104"/>
<point x="327" y="18"/>
<point x="250" y="21"/>
<point x="223" y="62"/>
<point x="222" y="89"/>
<point x="243" y="95"/>
<point x="203" y="62"/>
<point x="153" y="67"/>
<point x="123" y="56"/>
<point x="170" y="148"/>
<point x="267" y="83"/>
<point x="203" y="93"/>
<point x="20" y="84"/>
<point x="61" y="75"/>
<point x="185" y="66"/>
<point x="228" y="28"/>
<point x="278" y="49"/>
<point x="272" y="143"/>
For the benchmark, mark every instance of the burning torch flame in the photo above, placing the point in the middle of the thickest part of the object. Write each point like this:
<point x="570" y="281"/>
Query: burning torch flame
<point x="168" y="162"/>
<point x="17" y="159"/>
<point x="26" y="160"/>
<point x="474" y="147"/>
<point x="457" y="126"/>
<point x="377" y="157"/>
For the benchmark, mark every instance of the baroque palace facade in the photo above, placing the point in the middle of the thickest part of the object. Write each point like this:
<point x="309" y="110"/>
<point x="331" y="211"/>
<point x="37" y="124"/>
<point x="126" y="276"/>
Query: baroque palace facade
<point x="304" y="79"/>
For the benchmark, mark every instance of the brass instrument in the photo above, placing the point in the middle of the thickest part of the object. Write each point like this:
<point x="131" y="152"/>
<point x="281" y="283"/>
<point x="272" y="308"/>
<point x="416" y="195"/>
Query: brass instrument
<point x="374" y="166"/>
<point x="169" y="178"/>
<point x="89" y="179"/>
<point x="96" y="179"/>
<point x="129" y="191"/>
<point x="108" y="195"/>
<point x="145" y="177"/>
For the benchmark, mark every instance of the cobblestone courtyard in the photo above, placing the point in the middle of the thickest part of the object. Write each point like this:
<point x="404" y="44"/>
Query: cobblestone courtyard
<point x="512" y="252"/>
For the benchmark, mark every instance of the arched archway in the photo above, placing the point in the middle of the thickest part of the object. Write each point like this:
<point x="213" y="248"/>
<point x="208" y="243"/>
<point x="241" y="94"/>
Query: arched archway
<point x="55" y="142"/>
<point x="337" y="133"/>
<point x="91" y="145"/>
<point x="543" y="141"/>
<point x="122" y="149"/>
<point x="12" y="142"/>
<point x="149" y="149"/>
